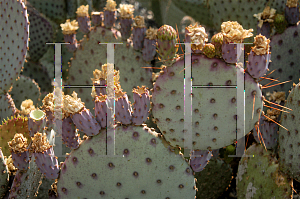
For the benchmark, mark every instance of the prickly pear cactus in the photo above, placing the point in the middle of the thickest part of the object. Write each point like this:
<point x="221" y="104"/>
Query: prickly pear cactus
<point x="148" y="168"/>
<point x="285" y="59"/>
<point x="259" y="176"/>
<point x="14" y="41"/>
<point x="214" y="109"/>
<point x="289" y="139"/>
<point x="91" y="55"/>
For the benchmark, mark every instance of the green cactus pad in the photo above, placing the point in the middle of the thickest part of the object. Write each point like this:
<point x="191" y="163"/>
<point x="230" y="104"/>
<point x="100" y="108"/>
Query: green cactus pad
<point x="241" y="11"/>
<point x="259" y="176"/>
<point x="39" y="73"/>
<point x="214" y="109"/>
<point x="285" y="59"/>
<point x="9" y="128"/>
<point x="14" y="33"/>
<point x="7" y="106"/>
<point x="91" y="56"/>
<point x="289" y="139"/>
<point x="26" y="183"/>
<point x="41" y="32"/>
<point x="199" y="10"/>
<point x="4" y="175"/>
<point x="149" y="168"/>
<point x="55" y="9"/>
<point x="214" y="179"/>
<point x="25" y="88"/>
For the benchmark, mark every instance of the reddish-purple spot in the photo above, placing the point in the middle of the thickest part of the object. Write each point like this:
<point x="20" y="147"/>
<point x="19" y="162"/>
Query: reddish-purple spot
<point x="94" y="176"/>
<point x="295" y="34"/>
<point x="153" y="142"/>
<point x="291" y="51"/>
<point x="91" y="152"/>
<point x="280" y="42"/>
<point x="75" y="161"/>
<point x="126" y="152"/>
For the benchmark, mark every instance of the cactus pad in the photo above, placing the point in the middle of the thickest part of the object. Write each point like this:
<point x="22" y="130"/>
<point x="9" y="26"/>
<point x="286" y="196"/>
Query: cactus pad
<point x="7" y="106"/>
<point x="14" y="41"/>
<point x="289" y="139"/>
<point x="214" y="109"/>
<point x="259" y="176"/>
<point x="148" y="168"/>
<point x="25" y="88"/>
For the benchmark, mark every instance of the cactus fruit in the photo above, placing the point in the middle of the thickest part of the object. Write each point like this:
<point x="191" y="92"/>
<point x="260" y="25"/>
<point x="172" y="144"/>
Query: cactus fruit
<point x="126" y="20"/>
<point x="110" y="12"/>
<point x="292" y="11"/>
<point x="280" y="23"/>
<point x="43" y="155"/>
<point x="141" y="105"/>
<point x="259" y="176"/>
<point x="19" y="152"/>
<point x="209" y="50"/>
<point x="97" y="18"/>
<point x="265" y="19"/>
<point x="167" y="103"/>
<point x="166" y="44"/>
<point x="149" y="49"/>
<point x="138" y="32"/>
<point x="289" y="137"/>
<point x="69" y="134"/>
<point x="9" y="128"/>
<point x="258" y="60"/>
<point x="152" y="172"/>
<point x="69" y="31"/>
<point x="36" y="121"/>
<point x="233" y="32"/>
<point x="82" y="117"/>
<point x="266" y="132"/>
<point x="83" y="18"/>
<point x="123" y="108"/>
<point x="217" y="41"/>
<point x="14" y="41"/>
<point x="4" y="175"/>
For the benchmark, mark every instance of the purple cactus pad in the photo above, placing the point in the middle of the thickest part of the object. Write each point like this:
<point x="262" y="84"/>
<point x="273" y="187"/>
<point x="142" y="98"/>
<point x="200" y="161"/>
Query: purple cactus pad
<point x="20" y="160"/>
<point x="85" y="122"/>
<point x="99" y="90"/>
<point x="199" y="159"/>
<point x="47" y="163"/>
